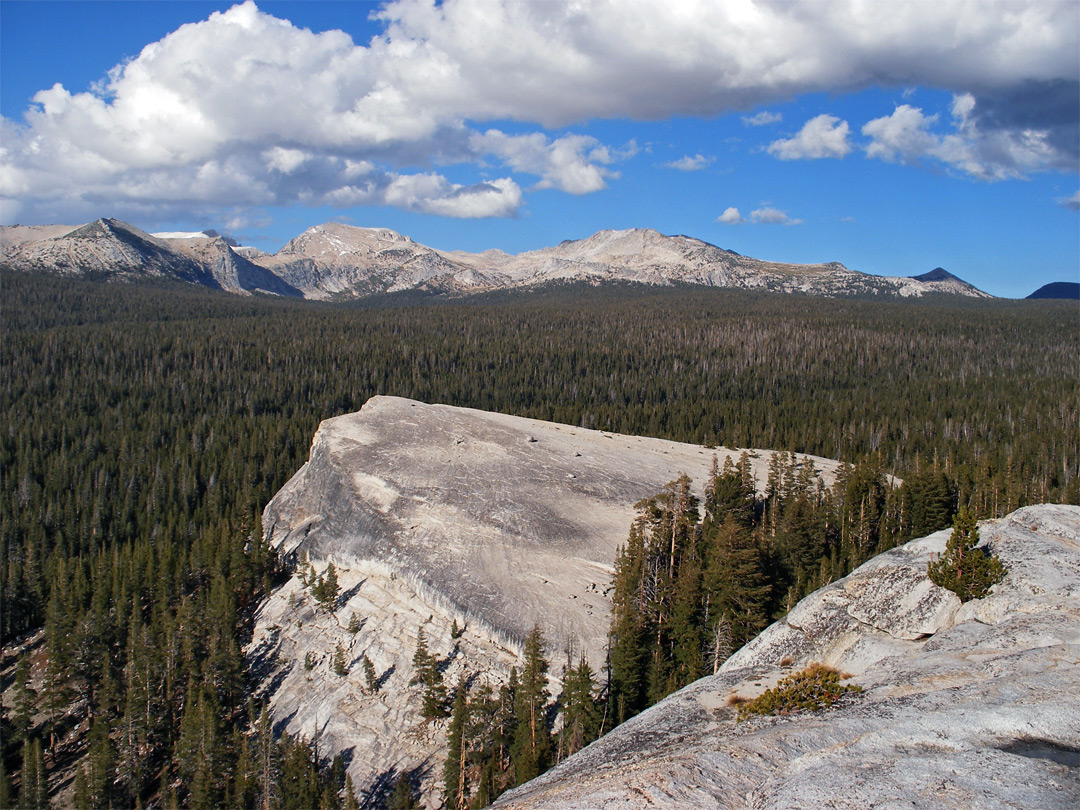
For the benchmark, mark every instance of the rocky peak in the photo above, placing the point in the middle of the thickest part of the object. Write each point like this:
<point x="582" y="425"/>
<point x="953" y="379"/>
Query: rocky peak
<point x="336" y="239"/>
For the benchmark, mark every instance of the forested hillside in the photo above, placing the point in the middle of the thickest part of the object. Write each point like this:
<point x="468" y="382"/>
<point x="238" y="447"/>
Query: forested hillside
<point x="146" y="426"/>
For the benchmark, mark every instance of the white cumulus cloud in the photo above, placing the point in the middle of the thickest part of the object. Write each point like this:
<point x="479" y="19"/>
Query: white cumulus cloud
<point x="430" y="193"/>
<point x="909" y="136"/>
<point x="824" y="136"/>
<point x="691" y="164"/>
<point x="762" y="118"/>
<point x="772" y="216"/>
<point x="572" y="163"/>
<point x="731" y="216"/>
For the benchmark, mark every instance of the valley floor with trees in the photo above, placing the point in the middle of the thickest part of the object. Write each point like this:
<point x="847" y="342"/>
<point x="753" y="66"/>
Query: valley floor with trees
<point x="146" y="426"/>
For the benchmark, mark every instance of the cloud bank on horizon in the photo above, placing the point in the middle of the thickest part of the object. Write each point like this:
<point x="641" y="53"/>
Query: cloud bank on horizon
<point x="245" y="109"/>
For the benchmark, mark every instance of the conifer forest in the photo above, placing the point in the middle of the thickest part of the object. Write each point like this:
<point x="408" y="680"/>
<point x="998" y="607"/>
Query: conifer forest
<point x="145" y="426"/>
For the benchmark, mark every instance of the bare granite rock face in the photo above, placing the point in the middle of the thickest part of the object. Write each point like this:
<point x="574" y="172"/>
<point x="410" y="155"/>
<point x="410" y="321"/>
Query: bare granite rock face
<point x="969" y="706"/>
<point x="435" y="515"/>
<point x="503" y="519"/>
<point x="116" y="251"/>
<point x="342" y="261"/>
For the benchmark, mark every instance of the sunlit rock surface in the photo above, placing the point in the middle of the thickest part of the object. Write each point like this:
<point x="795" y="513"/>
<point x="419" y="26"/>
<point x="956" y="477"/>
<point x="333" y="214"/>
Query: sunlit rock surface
<point x="340" y="262"/>
<point x="971" y="706"/>
<point x="434" y="515"/>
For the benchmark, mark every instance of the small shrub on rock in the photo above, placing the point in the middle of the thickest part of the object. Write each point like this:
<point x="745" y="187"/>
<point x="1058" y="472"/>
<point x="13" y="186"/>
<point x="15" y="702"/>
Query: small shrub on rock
<point x="816" y="687"/>
<point x="967" y="571"/>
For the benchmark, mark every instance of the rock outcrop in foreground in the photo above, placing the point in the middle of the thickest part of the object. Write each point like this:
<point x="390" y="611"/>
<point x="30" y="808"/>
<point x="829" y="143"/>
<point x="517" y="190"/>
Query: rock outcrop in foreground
<point x="434" y="515"/>
<point x="963" y="706"/>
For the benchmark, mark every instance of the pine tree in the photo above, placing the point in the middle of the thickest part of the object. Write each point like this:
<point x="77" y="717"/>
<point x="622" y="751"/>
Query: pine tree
<point x="199" y="748"/>
<point x="299" y="781"/>
<point x="82" y="788"/>
<point x="402" y="797"/>
<point x="326" y="588"/>
<point x="267" y="764"/>
<point x="686" y="628"/>
<point x="241" y="788"/>
<point x="33" y="784"/>
<point x="370" y="678"/>
<point x="427" y="673"/>
<point x="328" y="798"/>
<point x="627" y="642"/>
<point x="504" y="723"/>
<point x="100" y="772"/>
<point x="801" y="540"/>
<point x="967" y="571"/>
<point x="341" y="668"/>
<point x="729" y="493"/>
<point x="422" y="659"/>
<point x="928" y="500"/>
<point x="351" y="802"/>
<point x="532" y="738"/>
<point x="455" y="771"/>
<point x="22" y="703"/>
<point x="7" y="792"/>
<point x="735" y="587"/>
<point x="580" y="713"/>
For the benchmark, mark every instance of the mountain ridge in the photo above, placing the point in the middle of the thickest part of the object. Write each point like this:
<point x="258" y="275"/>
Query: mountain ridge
<point x="1061" y="290"/>
<point x="334" y="261"/>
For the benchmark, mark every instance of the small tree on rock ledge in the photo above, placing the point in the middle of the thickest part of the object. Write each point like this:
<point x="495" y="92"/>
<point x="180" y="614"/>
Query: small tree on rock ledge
<point x="967" y="571"/>
<point x="326" y="589"/>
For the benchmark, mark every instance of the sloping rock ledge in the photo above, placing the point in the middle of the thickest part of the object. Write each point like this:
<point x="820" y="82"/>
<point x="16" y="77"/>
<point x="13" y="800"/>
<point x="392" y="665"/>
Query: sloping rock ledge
<point x="969" y="706"/>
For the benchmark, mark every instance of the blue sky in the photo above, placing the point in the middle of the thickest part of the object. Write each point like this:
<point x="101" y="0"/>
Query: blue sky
<point x="892" y="138"/>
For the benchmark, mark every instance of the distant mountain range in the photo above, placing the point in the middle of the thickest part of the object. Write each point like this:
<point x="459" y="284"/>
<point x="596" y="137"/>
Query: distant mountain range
<point x="1068" y="290"/>
<point x="334" y="261"/>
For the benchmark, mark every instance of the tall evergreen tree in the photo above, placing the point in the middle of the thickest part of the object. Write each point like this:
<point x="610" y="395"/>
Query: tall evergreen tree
<point x="686" y="630"/>
<point x="351" y="802"/>
<point x="326" y="589"/>
<point x="22" y="703"/>
<point x="734" y="583"/>
<point x="402" y="797"/>
<point x="627" y="651"/>
<point x="426" y="672"/>
<point x="340" y="664"/>
<point x="532" y="737"/>
<point x="267" y="762"/>
<point x="371" y="679"/>
<point x="455" y="771"/>
<point x="581" y="717"/>
<point x="7" y="790"/>
<point x="33" y="782"/>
